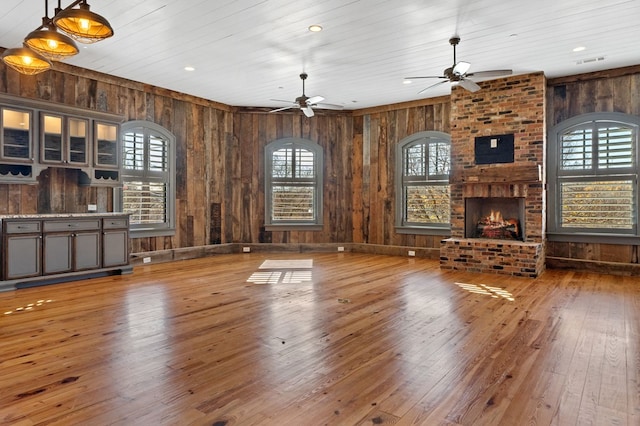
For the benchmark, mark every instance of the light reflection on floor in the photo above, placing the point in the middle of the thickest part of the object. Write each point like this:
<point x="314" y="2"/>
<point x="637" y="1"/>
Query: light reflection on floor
<point x="285" y="272"/>
<point x="28" y="307"/>
<point x="287" y="264"/>
<point x="494" y="292"/>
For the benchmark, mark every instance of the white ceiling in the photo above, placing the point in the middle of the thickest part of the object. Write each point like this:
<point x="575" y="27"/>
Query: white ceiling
<point x="247" y="52"/>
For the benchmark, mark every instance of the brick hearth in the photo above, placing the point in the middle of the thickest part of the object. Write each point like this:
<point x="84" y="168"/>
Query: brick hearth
<point x="513" y="105"/>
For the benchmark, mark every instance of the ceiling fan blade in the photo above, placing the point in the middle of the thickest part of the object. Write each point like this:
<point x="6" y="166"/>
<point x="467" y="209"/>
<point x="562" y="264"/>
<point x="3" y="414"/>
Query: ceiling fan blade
<point x="461" y="68"/>
<point x="329" y="106"/>
<point x="308" y="111"/>
<point x="282" y="109"/>
<point x="433" y="85"/>
<point x="428" y="76"/>
<point x="469" y="85"/>
<point x="314" y="100"/>
<point x="490" y="73"/>
<point x="282" y="100"/>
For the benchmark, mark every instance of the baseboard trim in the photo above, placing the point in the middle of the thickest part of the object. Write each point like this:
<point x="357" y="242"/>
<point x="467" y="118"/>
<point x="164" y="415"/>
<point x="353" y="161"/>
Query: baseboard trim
<point x="610" y="268"/>
<point x="171" y="255"/>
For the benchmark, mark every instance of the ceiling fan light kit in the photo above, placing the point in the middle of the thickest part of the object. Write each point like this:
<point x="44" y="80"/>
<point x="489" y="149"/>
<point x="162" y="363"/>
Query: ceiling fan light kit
<point x="46" y="44"/>
<point x="458" y="73"/>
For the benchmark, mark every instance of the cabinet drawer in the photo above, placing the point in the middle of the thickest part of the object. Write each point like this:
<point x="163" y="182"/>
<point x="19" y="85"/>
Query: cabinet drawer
<point x="115" y="224"/>
<point x="71" y="225"/>
<point x="22" y="227"/>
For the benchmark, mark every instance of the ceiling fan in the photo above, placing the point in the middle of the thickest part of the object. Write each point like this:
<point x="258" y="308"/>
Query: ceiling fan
<point x="457" y="73"/>
<point x="305" y="103"/>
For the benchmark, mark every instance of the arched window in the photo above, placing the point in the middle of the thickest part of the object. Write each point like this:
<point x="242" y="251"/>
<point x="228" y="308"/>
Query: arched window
<point x="148" y="178"/>
<point x="593" y="175"/>
<point x="293" y="184"/>
<point x="422" y="183"/>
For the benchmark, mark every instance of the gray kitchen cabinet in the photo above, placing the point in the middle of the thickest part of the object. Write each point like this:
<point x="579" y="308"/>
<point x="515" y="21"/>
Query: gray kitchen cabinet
<point x="115" y="242"/>
<point x="36" y="135"/>
<point x="22" y="249"/>
<point x="16" y="145"/>
<point x="52" y="248"/>
<point x="64" y="140"/>
<point x="71" y="245"/>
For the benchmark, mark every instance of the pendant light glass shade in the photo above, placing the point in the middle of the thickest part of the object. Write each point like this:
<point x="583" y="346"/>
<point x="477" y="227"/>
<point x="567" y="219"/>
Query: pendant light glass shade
<point x="82" y="24"/>
<point x="26" y="61"/>
<point x="51" y="44"/>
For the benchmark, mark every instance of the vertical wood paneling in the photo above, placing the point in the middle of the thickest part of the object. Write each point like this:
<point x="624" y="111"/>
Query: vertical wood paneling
<point x="357" y="180"/>
<point x="374" y="213"/>
<point x="568" y="99"/>
<point x="220" y="158"/>
<point x="201" y="131"/>
<point x="253" y="131"/>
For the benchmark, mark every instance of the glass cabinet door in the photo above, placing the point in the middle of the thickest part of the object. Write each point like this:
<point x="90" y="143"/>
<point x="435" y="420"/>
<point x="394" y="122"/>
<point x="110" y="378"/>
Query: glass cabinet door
<point x="106" y="145"/>
<point x="16" y="136"/>
<point x="78" y="140"/>
<point x="51" y="144"/>
<point x="64" y="140"/>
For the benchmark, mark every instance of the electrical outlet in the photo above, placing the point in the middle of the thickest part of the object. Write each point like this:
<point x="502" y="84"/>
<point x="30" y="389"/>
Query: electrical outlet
<point x="146" y="260"/>
<point x="412" y="253"/>
<point x="92" y="207"/>
<point x="340" y="248"/>
<point x="246" y="249"/>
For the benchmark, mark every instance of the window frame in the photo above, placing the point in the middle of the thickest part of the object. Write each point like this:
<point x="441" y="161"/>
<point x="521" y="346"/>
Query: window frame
<point x="402" y="225"/>
<point x="148" y="128"/>
<point x="556" y="176"/>
<point x="317" y="182"/>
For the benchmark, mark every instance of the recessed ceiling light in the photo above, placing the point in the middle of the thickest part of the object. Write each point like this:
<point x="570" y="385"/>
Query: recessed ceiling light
<point x="579" y="49"/>
<point x="315" y="28"/>
<point x="189" y="69"/>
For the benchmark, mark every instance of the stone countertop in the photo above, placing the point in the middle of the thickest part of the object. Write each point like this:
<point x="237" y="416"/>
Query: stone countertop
<point x="59" y="215"/>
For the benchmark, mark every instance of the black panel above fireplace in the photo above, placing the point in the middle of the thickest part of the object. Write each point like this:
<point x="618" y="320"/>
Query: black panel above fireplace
<point x="494" y="149"/>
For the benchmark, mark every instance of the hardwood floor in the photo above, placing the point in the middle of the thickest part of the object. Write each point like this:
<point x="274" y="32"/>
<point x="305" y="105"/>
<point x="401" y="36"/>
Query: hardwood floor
<point x="354" y="339"/>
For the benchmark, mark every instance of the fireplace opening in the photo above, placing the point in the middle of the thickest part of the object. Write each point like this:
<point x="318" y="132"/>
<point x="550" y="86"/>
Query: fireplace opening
<point x="499" y="218"/>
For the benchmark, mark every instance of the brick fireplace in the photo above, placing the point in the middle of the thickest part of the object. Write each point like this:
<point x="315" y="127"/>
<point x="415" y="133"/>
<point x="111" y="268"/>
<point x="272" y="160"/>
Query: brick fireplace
<point x="508" y="182"/>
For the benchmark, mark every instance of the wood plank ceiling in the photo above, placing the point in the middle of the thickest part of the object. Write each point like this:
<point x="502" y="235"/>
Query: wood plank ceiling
<point x="248" y="52"/>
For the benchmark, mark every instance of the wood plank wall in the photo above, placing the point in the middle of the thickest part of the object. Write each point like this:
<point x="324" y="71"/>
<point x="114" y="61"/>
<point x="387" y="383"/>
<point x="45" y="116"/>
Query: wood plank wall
<point x="220" y="158"/>
<point x="377" y="131"/>
<point x="203" y="131"/>
<point x="615" y="90"/>
<point x="252" y="131"/>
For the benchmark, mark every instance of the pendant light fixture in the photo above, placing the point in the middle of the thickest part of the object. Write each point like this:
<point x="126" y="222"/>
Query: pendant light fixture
<point x="45" y="43"/>
<point x="26" y="61"/>
<point x="50" y="43"/>
<point x="82" y="24"/>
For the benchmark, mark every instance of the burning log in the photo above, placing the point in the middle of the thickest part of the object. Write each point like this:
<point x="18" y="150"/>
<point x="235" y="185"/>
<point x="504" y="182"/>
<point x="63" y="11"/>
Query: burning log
<point x="495" y="226"/>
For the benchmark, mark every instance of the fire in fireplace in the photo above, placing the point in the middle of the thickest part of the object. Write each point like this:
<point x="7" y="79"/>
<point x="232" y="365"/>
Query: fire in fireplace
<point x="494" y="217"/>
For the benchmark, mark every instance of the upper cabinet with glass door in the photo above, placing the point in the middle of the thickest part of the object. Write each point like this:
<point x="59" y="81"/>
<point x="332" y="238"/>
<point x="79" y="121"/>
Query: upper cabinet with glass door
<point x="16" y="139"/>
<point x="64" y="140"/>
<point x="35" y="135"/>
<point x="106" y="145"/>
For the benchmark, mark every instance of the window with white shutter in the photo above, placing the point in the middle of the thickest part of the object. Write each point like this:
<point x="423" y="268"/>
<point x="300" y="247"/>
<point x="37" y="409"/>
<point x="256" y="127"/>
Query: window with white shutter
<point x="293" y="183"/>
<point x="422" y="183"/>
<point x="148" y="178"/>
<point x="593" y="175"/>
